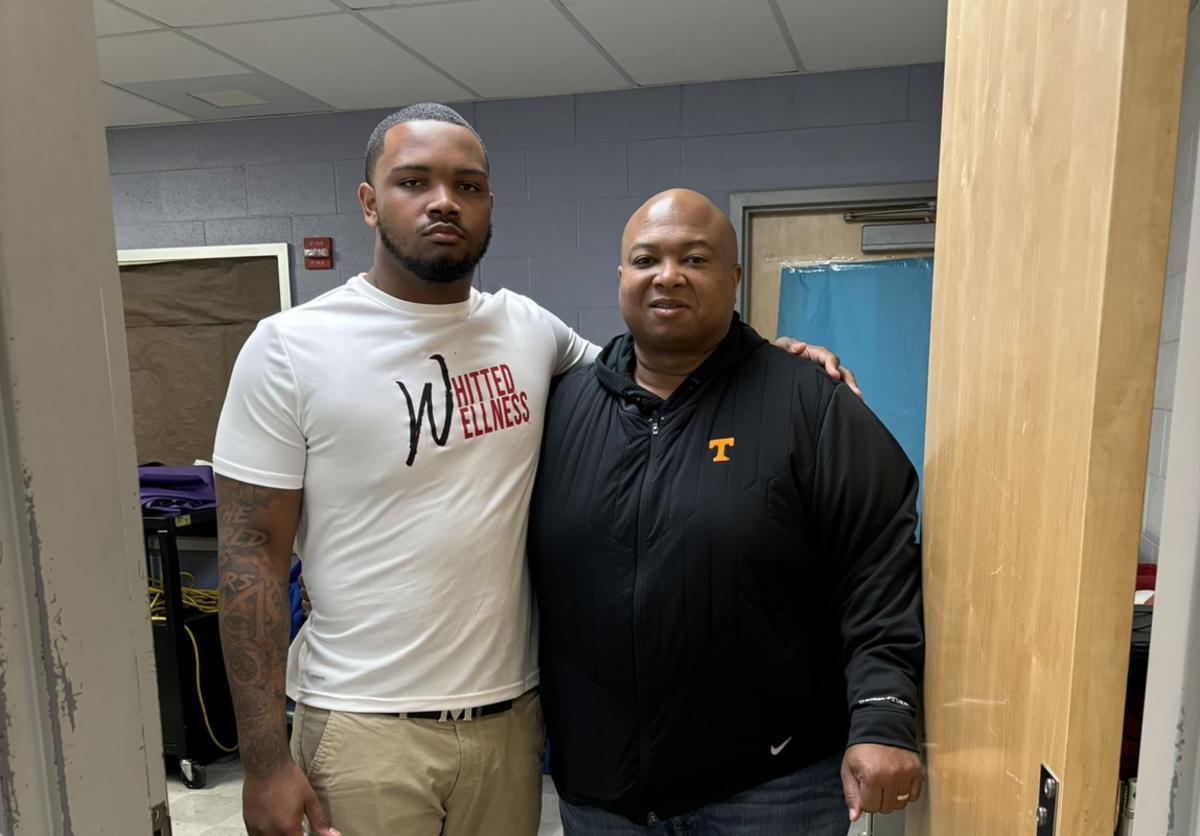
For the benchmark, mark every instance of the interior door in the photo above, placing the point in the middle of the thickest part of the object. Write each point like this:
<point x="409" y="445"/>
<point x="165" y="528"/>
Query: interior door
<point x="795" y="238"/>
<point x="1058" y="139"/>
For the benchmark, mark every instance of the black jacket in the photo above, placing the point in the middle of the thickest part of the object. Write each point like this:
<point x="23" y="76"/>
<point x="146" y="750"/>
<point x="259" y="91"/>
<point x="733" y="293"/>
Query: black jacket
<point x="717" y="615"/>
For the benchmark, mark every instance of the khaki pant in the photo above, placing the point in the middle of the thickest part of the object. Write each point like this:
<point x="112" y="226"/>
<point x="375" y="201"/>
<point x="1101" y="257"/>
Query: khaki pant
<point x="381" y="775"/>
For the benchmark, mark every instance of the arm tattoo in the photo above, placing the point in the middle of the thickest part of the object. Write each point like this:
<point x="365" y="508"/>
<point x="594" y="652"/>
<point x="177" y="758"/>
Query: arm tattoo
<point x="254" y="622"/>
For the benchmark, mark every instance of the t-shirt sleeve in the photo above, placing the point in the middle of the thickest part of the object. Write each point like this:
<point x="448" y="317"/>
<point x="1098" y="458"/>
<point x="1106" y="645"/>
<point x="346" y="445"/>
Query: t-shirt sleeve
<point x="259" y="437"/>
<point x="572" y="350"/>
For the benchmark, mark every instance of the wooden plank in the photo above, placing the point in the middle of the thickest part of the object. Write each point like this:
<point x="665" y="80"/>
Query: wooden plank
<point x="1055" y="188"/>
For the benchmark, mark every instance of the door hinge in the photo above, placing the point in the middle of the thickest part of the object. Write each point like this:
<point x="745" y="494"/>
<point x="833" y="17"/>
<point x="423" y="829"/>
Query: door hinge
<point x="1047" y="808"/>
<point x="160" y="820"/>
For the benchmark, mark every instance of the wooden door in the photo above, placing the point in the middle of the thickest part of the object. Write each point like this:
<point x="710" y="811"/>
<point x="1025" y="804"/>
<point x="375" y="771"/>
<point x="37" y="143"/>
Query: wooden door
<point x="1058" y="139"/>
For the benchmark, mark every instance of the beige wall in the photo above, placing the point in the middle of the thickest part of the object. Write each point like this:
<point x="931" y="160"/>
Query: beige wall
<point x="80" y="749"/>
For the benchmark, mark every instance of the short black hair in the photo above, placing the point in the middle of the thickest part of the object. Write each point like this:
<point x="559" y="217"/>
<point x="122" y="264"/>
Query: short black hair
<point x="421" y="112"/>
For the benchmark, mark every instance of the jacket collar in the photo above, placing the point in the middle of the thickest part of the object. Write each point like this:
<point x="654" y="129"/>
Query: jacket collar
<point x="614" y="367"/>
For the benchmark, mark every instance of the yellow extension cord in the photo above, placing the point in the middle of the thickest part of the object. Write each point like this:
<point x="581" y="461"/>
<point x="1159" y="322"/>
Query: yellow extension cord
<point x="204" y="600"/>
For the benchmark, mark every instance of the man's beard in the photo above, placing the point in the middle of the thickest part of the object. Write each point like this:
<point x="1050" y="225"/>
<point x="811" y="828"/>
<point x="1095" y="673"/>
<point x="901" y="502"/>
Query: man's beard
<point x="437" y="271"/>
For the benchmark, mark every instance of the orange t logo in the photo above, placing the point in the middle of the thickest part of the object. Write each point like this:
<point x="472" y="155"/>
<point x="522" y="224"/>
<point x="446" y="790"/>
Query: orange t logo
<point x="719" y="444"/>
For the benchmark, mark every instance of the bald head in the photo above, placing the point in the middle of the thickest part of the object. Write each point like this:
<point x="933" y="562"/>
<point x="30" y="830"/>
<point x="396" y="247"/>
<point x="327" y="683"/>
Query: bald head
<point x="679" y="275"/>
<point x="677" y="209"/>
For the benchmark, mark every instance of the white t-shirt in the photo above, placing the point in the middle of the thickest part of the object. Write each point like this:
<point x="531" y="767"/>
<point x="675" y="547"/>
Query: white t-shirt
<point x="414" y="431"/>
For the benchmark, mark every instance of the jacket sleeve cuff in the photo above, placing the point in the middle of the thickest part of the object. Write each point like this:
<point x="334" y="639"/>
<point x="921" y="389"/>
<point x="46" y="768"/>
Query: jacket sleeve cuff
<point x="884" y="725"/>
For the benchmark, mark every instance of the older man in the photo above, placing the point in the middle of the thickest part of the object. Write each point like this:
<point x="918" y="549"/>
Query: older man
<point x="722" y="548"/>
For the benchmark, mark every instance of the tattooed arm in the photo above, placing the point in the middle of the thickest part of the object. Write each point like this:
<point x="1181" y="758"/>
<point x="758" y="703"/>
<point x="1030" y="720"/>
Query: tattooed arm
<point x="256" y="527"/>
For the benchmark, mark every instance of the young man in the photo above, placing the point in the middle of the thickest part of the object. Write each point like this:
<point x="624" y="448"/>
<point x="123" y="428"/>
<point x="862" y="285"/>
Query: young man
<point x="721" y="542"/>
<point x="390" y="428"/>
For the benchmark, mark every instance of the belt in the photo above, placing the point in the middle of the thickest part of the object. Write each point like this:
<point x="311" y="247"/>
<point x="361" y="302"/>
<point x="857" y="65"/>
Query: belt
<point x="458" y="713"/>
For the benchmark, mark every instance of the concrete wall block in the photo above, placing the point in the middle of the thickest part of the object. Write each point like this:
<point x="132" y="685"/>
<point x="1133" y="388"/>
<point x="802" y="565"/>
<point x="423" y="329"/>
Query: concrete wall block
<point x="601" y="223"/>
<point x="1156" y="460"/>
<point x="347" y="175"/>
<point x="508" y="178"/>
<point x="150" y="236"/>
<point x="136" y="198"/>
<point x="1156" y="487"/>
<point x="578" y="172"/>
<point x="250" y="141"/>
<point x="160" y="148"/>
<point x="850" y="98"/>
<point x="646" y="113"/>
<point x="309" y="284"/>
<point x="925" y="91"/>
<point x="524" y="123"/>
<point x="1172" y="313"/>
<point x="844" y="156"/>
<point x="331" y="136"/>
<point x="526" y="229"/>
<point x="497" y="272"/>
<point x="579" y="281"/>
<point x="248" y="231"/>
<point x="654" y="165"/>
<point x="728" y="107"/>
<point x="601" y="324"/>
<point x="1164" y="379"/>
<point x="203" y="194"/>
<point x="291" y="188"/>
<point x="1147" y="550"/>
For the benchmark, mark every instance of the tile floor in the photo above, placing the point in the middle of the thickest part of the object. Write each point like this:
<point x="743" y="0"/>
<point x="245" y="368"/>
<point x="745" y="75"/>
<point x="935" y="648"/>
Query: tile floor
<point x="216" y="810"/>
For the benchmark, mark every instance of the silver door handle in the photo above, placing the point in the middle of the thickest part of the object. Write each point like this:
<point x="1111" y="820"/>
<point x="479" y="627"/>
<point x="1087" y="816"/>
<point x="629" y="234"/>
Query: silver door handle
<point x="869" y="828"/>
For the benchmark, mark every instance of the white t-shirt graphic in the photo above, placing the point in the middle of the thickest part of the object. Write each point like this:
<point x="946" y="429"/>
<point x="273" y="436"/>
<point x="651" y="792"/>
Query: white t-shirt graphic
<point x="414" y="431"/>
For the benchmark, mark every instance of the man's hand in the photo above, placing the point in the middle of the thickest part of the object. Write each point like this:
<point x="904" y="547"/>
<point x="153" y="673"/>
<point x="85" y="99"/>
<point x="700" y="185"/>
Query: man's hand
<point x="821" y="356"/>
<point x="274" y="805"/>
<point x="879" y="779"/>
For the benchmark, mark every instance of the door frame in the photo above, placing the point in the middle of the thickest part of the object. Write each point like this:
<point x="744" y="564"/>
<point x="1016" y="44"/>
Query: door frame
<point x="163" y="254"/>
<point x="744" y="206"/>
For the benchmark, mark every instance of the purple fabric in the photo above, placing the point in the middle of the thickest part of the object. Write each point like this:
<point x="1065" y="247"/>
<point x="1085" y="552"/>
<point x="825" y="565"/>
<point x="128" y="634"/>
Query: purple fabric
<point x="176" y="490"/>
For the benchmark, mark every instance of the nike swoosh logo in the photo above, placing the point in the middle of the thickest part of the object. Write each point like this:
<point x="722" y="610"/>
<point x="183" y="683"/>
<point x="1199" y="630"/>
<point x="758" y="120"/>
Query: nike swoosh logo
<point x="775" y="750"/>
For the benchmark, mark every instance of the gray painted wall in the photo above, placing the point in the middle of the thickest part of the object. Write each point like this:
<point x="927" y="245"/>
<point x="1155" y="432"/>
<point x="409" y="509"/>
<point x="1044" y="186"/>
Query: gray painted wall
<point x="567" y="172"/>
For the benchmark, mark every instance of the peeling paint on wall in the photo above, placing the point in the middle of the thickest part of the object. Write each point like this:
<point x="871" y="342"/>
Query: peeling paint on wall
<point x="10" y="810"/>
<point x="59" y="689"/>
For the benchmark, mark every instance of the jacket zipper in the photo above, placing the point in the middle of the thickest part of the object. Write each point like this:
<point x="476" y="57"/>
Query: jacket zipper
<point x="655" y="424"/>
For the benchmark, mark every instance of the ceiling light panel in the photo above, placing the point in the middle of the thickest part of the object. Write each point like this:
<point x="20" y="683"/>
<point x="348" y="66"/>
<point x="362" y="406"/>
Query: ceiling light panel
<point x="503" y="48"/>
<point x="848" y="34"/>
<point x="157" y="56"/>
<point x="205" y="12"/>
<point x="669" y="41"/>
<point x="339" y="60"/>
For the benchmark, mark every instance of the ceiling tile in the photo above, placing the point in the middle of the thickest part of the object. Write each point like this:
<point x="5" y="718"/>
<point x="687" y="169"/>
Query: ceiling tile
<point x="378" y="4"/>
<point x="181" y="94"/>
<point x="193" y="13"/>
<point x="849" y="34"/>
<point x="504" y="48"/>
<point x="113" y="20"/>
<point x="121" y="108"/>
<point x="669" y="41"/>
<point x="155" y="56"/>
<point x="339" y="60"/>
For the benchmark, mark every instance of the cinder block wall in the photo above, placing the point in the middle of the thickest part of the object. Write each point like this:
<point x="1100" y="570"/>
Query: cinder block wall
<point x="567" y="172"/>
